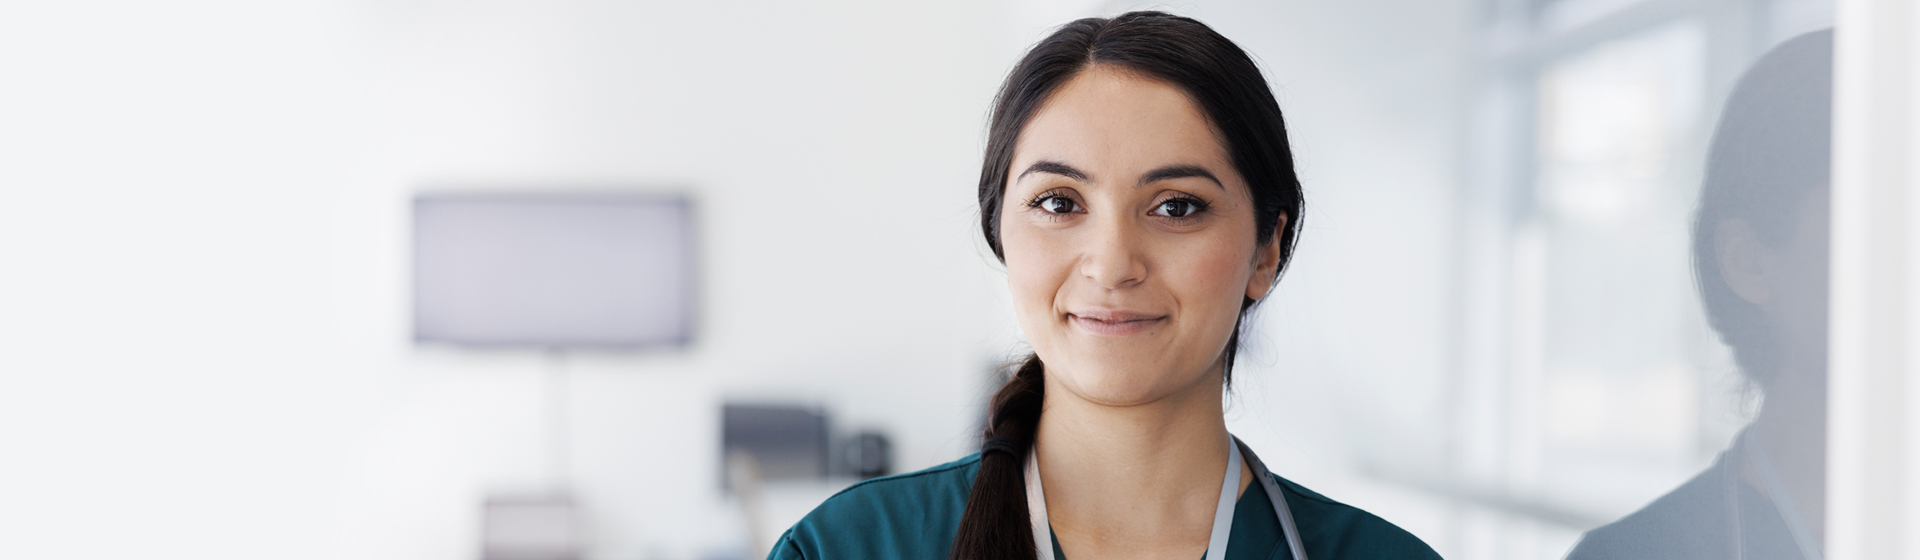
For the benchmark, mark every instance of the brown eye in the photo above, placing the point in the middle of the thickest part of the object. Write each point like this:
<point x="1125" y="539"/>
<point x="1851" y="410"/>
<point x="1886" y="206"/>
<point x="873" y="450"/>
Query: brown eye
<point x="1058" y="205"/>
<point x="1176" y="208"/>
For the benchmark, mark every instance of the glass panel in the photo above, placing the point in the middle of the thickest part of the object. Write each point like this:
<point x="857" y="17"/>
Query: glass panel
<point x="1677" y="323"/>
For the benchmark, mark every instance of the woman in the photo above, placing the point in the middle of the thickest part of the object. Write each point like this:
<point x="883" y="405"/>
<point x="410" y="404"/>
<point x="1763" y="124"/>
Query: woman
<point x="1139" y="187"/>
<point x="1760" y="261"/>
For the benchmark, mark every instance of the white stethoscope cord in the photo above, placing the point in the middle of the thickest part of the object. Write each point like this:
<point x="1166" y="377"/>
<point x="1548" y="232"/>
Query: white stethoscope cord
<point x="1037" y="510"/>
<point x="1222" y="513"/>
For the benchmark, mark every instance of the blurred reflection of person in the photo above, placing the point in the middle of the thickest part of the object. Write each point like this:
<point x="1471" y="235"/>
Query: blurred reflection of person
<point x="1760" y="260"/>
<point x="1140" y="189"/>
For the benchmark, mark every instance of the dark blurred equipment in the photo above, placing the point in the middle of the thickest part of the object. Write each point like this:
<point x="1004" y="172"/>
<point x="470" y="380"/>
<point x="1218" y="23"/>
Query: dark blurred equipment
<point x="868" y="455"/>
<point x="530" y="528"/>
<point x="552" y="271"/>
<point x="786" y="442"/>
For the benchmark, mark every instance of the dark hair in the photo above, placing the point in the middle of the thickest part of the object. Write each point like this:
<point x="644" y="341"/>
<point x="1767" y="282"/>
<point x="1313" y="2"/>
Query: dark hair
<point x="1229" y="89"/>
<point x="1770" y="152"/>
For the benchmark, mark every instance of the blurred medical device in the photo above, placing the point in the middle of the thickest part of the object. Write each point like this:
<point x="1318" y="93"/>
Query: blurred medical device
<point x="868" y="455"/>
<point x="783" y="442"/>
<point x="794" y="442"/>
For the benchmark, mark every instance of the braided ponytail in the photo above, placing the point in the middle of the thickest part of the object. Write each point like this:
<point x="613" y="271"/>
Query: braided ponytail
<point x="997" y="505"/>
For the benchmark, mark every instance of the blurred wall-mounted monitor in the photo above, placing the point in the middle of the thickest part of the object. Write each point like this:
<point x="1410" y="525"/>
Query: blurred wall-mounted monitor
<point x="788" y="442"/>
<point x="552" y="271"/>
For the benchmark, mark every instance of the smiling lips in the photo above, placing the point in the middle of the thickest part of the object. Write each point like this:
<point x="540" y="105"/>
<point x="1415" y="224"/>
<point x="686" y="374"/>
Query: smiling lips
<point x="1114" y="323"/>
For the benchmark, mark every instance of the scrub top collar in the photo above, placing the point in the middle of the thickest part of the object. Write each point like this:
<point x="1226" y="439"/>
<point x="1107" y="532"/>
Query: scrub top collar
<point x="1222" y="513"/>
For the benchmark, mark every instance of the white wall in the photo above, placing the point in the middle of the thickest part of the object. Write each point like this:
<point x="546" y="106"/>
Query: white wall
<point x="830" y="151"/>
<point x="169" y="384"/>
<point x="204" y="229"/>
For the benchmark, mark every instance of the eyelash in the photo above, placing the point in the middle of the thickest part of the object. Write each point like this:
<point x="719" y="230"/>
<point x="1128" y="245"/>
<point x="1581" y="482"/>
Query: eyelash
<point x="1043" y="197"/>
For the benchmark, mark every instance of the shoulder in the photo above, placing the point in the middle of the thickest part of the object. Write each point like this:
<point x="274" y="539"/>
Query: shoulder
<point x="1331" y="529"/>
<point x="911" y="515"/>
<point x="1689" y="522"/>
<point x="901" y="494"/>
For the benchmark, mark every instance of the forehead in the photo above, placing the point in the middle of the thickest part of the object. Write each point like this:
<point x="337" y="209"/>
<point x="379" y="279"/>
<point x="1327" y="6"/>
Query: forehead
<point x="1111" y="120"/>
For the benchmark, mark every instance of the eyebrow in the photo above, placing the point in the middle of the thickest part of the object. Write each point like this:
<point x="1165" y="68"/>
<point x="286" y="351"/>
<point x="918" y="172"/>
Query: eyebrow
<point x="1179" y="172"/>
<point x="1157" y="175"/>
<point x="1056" y="168"/>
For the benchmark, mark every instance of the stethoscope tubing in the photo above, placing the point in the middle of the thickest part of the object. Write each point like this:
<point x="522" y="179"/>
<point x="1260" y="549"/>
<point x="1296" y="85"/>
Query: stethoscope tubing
<point x="1043" y="537"/>
<point x="1278" y="499"/>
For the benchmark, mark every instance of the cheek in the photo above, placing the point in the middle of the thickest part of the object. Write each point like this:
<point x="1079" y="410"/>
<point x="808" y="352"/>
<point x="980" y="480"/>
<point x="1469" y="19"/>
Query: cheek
<point x="1036" y="267"/>
<point x="1209" y="275"/>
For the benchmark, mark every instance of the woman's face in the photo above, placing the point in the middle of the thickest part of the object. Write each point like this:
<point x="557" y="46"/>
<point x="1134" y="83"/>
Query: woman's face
<point x="1129" y="240"/>
<point x="1788" y="281"/>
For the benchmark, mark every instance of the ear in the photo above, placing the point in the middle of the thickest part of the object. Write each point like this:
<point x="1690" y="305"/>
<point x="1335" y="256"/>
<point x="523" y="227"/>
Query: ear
<point x="1745" y="264"/>
<point x="1266" y="263"/>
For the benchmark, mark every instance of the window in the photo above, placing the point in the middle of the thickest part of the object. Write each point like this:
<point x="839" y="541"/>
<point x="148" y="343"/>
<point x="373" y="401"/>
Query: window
<point x="1589" y="380"/>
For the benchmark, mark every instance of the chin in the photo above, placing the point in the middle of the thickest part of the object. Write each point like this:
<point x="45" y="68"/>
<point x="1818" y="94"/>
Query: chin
<point x="1121" y="382"/>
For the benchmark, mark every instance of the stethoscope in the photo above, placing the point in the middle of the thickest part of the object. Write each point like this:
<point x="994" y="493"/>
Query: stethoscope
<point x="1222" y="514"/>
<point x="1751" y="453"/>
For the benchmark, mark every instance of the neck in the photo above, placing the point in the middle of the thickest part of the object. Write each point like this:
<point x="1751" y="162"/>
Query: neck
<point x="1133" y="480"/>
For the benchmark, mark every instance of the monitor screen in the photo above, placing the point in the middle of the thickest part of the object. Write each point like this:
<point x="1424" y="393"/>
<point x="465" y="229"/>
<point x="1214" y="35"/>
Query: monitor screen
<point x="787" y="442"/>
<point x="552" y="271"/>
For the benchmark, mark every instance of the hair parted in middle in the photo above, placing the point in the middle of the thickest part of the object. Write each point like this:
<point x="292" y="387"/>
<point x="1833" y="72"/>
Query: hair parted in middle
<point x="1228" y="88"/>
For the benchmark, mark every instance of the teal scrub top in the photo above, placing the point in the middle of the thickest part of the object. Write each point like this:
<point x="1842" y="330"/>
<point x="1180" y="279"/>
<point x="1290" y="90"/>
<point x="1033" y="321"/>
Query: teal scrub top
<point x="915" y="515"/>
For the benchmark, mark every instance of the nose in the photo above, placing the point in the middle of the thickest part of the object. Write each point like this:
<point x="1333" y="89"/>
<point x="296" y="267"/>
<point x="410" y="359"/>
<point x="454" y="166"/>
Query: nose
<point x="1112" y="258"/>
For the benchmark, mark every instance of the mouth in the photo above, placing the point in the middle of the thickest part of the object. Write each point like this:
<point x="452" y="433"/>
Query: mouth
<point x="1114" y="323"/>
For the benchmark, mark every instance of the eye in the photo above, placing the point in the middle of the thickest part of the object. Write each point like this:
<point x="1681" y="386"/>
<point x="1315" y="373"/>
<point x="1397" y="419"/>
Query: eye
<point x="1177" y="208"/>
<point x="1056" y="204"/>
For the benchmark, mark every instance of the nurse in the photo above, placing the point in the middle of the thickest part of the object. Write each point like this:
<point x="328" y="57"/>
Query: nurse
<point x="1139" y="186"/>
